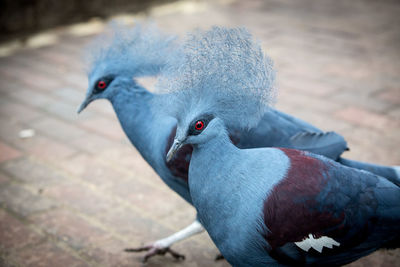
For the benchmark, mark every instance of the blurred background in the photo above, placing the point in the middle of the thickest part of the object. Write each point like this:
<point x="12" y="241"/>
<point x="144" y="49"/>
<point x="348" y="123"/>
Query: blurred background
<point x="74" y="192"/>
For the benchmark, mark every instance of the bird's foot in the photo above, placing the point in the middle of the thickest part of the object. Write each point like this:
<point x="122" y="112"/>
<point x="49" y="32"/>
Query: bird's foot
<point x="156" y="249"/>
<point x="219" y="257"/>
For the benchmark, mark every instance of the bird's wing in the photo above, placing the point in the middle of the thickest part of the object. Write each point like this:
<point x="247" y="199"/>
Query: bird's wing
<point x="329" y="144"/>
<point x="277" y="129"/>
<point x="297" y="124"/>
<point x="324" y="213"/>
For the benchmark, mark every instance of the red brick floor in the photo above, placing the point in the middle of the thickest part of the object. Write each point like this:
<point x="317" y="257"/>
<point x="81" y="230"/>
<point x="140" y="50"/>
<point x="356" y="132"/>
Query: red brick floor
<point x="77" y="193"/>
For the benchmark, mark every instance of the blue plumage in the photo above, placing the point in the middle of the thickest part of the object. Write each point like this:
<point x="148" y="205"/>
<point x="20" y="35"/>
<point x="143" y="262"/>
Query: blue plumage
<point x="203" y="54"/>
<point x="257" y="204"/>
<point x="275" y="206"/>
<point x="144" y="51"/>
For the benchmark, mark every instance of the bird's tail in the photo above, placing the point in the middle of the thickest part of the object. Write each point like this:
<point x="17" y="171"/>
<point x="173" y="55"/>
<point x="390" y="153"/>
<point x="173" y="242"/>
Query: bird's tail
<point x="392" y="173"/>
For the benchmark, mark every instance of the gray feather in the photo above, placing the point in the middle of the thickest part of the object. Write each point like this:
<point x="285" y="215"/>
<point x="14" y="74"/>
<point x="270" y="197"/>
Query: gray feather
<point x="223" y="72"/>
<point x="140" y="50"/>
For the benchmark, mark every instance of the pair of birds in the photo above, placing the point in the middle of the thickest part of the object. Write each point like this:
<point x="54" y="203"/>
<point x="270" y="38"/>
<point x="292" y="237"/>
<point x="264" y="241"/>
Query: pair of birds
<point x="248" y="191"/>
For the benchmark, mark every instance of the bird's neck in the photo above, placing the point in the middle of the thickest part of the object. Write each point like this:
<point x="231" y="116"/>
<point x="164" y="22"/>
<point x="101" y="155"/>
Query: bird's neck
<point x="147" y="133"/>
<point x="228" y="187"/>
<point x="216" y="150"/>
<point x="215" y="190"/>
<point x="221" y="140"/>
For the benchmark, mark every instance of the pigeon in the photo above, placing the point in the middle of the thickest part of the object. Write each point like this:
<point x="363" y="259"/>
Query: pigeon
<point x="122" y="55"/>
<point x="267" y="206"/>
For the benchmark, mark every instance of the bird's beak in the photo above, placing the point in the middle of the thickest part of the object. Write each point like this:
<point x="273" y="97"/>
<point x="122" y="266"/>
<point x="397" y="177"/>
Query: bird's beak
<point x="174" y="148"/>
<point x="84" y="104"/>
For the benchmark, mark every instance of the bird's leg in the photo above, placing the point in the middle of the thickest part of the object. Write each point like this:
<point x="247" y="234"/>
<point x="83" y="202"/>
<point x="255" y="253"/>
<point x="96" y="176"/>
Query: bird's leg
<point x="162" y="246"/>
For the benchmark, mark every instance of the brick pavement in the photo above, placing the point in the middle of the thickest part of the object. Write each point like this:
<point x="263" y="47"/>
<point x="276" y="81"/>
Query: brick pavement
<point x="77" y="193"/>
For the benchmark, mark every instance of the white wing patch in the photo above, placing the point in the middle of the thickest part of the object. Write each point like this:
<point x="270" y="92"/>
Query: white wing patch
<point x="316" y="243"/>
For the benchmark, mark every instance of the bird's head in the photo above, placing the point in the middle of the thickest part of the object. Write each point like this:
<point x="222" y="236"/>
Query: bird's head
<point x="197" y="131"/>
<point x="105" y="82"/>
<point x="122" y="54"/>
<point x="224" y="79"/>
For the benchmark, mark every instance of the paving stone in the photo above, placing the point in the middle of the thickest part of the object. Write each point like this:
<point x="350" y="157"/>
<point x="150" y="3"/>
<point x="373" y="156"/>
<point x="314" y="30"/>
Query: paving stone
<point x="58" y="129"/>
<point x="32" y="98"/>
<point x="134" y="227"/>
<point x="91" y="170"/>
<point x="33" y="172"/>
<point x="10" y="129"/>
<point x="105" y="126"/>
<point x="372" y="146"/>
<point x="110" y="253"/>
<point x="72" y="95"/>
<point x="130" y="160"/>
<point x="14" y="234"/>
<point x="45" y="148"/>
<point x="363" y="117"/>
<point x="48" y="255"/>
<point x="380" y="258"/>
<point x="395" y="113"/>
<point x="7" y="152"/>
<point x="367" y="102"/>
<point x="7" y="262"/>
<point x="99" y="107"/>
<point x="148" y="198"/>
<point x="309" y="87"/>
<point x="82" y="198"/>
<point x="47" y="85"/>
<point x="3" y="179"/>
<point x="27" y="73"/>
<point x="288" y="98"/>
<point x="65" y="111"/>
<point x="23" y="202"/>
<point x="181" y="217"/>
<point x="70" y="228"/>
<point x="19" y="112"/>
<point x="93" y="143"/>
<point x="391" y="95"/>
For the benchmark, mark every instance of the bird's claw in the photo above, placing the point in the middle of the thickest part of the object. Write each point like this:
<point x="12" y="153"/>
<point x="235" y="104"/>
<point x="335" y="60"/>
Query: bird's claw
<point x="154" y="250"/>
<point x="219" y="257"/>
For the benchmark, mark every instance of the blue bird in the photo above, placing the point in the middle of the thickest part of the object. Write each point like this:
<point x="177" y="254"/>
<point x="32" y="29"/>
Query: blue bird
<point x="267" y="206"/>
<point x="143" y="51"/>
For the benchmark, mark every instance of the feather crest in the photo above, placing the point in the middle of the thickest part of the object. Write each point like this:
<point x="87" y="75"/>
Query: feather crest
<point x="140" y="50"/>
<point x="223" y="72"/>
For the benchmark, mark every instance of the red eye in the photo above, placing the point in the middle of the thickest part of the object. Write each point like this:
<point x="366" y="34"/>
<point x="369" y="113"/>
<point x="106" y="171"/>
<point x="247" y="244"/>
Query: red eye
<point x="101" y="84"/>
<point x="199" y="125"/>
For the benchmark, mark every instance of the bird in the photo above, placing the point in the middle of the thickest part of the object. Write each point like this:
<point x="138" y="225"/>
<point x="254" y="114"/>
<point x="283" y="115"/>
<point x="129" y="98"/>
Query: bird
<point x="123" y="54"/>
<point x="267" y="206"/>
